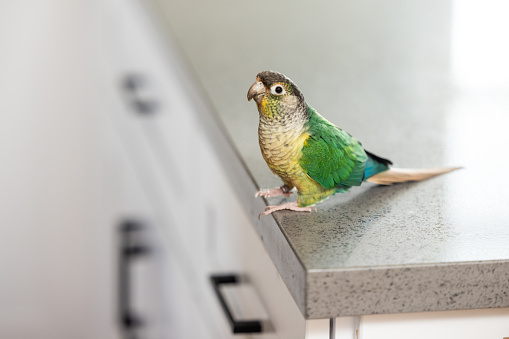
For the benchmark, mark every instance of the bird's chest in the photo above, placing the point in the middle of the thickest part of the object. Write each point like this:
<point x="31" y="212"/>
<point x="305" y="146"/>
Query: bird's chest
<point x="282" y="149"/>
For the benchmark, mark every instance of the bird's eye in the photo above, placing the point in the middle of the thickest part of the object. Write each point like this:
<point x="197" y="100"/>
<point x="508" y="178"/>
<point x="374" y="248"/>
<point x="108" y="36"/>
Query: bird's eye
<point x="277" y="90"/>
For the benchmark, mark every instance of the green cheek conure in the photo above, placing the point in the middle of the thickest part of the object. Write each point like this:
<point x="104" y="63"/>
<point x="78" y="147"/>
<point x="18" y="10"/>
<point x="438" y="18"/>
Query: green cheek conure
<point x="309" y="153"/>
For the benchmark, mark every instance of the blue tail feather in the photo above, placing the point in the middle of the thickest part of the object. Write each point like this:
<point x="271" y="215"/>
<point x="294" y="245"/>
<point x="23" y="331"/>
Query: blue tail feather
<point x="375" y="165"/>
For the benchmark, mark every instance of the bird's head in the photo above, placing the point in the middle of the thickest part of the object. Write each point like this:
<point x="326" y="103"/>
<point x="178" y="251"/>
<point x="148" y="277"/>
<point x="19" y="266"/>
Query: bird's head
<point x="276" y="96"/>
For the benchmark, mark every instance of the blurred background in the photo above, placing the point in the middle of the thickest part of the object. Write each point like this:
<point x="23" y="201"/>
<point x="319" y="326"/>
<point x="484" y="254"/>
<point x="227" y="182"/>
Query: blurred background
<point x="92" y="185"/>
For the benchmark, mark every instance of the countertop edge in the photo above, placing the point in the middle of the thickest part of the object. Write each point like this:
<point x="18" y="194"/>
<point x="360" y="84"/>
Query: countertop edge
<point x="411" y="288"/>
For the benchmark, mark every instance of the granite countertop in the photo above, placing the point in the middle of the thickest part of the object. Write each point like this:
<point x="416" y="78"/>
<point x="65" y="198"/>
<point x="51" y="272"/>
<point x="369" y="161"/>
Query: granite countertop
<point x="416" y="84"/>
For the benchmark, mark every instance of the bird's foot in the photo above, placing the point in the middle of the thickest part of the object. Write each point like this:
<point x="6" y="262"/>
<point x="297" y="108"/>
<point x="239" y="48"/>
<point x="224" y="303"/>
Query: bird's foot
<point x="275" y="192"/>
<point x="288" y="206"/>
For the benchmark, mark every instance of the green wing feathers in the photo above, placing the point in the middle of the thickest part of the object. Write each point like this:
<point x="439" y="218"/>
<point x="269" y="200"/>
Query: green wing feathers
<point x="331" y="156"/>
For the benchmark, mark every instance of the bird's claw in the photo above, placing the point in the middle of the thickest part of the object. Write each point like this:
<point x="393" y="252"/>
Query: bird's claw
<point x="292" y="206"/>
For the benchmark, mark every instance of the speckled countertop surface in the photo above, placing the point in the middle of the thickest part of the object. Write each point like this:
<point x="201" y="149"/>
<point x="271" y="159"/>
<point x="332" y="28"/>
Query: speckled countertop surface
<point x="412" y="81"/>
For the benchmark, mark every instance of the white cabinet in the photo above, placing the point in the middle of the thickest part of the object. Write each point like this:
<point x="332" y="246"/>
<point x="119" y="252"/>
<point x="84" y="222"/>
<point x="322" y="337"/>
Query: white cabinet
<point x="57" y="261"/>
<point x="469" y="324"/>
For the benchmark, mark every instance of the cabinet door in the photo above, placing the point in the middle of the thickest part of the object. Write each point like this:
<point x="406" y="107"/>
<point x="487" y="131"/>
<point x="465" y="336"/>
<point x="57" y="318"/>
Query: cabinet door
<point x="55" y="245"/>
<point x="157" y="287"/>
<point x="162" y="147"/>
<point x="470" y="324"/>
<point x="156" y="115"/>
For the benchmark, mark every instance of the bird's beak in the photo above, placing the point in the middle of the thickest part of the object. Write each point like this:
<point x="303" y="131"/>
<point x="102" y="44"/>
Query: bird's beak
<point x="256" y="92"/>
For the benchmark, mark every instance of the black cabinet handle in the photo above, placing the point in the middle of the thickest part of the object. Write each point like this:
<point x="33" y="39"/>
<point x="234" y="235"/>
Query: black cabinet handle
<point x="238" y="326"/>
<point x="131" y="246"/>
<point x="136" y="87"/>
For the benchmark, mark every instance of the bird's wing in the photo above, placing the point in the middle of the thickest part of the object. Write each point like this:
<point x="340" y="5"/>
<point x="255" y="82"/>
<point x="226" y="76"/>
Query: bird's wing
<point x="331" y="156"/>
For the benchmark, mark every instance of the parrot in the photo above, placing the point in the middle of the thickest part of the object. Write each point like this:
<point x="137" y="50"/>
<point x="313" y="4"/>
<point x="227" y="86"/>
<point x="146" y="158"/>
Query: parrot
<point x="311" y="154"/>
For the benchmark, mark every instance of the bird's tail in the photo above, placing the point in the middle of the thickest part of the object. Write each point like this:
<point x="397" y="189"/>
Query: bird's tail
<point x="398" y="175"/>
